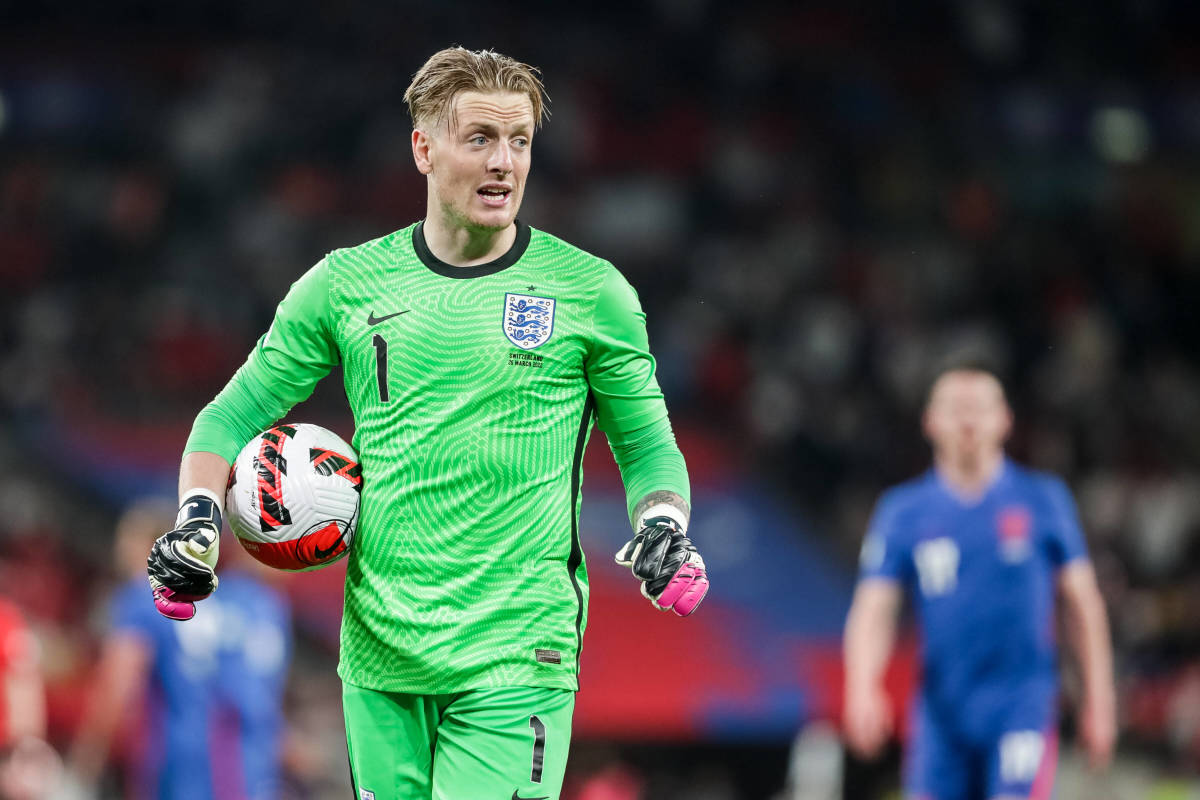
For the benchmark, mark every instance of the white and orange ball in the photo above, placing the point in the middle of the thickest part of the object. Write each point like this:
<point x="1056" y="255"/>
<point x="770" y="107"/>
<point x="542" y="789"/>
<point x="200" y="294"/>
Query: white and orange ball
<point x="292" y="499"/>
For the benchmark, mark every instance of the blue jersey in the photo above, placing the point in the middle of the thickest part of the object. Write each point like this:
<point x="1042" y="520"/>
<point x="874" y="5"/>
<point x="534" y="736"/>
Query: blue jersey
<point x="214" y="719"/>
<point x="982" y="578"/>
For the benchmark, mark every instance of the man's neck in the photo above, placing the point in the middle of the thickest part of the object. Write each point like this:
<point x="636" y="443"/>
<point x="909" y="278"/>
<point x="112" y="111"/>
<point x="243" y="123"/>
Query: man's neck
<point x="466" y="247"/>
<point x="970" y="478"/>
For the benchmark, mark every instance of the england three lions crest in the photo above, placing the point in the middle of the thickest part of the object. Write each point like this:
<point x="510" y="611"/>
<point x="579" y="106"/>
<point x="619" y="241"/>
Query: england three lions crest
<point x="528" y="320"/>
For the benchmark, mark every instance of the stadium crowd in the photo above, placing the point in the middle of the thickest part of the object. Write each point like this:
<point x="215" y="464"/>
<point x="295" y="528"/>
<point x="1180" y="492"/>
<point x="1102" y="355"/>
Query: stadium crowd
<point x="815" y="203"/>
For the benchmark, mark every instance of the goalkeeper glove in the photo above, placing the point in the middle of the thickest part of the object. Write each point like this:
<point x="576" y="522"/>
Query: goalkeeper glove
<point x="670" y="568"/>
<point x="182" y="562"/>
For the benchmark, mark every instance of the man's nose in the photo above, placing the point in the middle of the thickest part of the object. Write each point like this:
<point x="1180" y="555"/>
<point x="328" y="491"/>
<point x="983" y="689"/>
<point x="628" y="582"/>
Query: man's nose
<point x="501" y="159"/>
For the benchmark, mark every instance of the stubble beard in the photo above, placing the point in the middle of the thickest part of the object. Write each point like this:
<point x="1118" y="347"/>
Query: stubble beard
<point x="462" y="220"/>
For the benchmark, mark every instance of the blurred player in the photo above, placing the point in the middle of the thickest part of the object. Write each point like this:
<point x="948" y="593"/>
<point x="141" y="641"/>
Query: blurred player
<point x="27" y="763"/>
<point x="982" y="544"/>
<point x="477" y="352"/>
<point x="206" y="697"/>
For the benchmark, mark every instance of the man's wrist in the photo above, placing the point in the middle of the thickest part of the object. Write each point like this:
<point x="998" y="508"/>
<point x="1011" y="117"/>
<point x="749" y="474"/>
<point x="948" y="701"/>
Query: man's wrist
<point x="200" y="507"/>
<point x="1099" y="699"/>
<point x="662" y="503"/>
<point x="671" y="512"/>
<point x="199" y="491"/>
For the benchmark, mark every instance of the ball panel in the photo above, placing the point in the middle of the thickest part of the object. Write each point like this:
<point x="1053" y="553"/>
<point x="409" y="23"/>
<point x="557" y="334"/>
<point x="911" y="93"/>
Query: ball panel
<point x="321" y="547"/>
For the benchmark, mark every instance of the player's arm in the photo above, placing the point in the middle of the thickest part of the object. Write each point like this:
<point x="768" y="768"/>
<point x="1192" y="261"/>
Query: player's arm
<point x="1088" y="636"/>
<point x="867" y="645"/>
<point x="1086" y="623"/>
<point x="633" y="415"/>
<point x="116" y="684"/>
<point x="24" y="694"/>
<point x="295" y="353"/>
<point x="885" y="569"/>
<point x="26" y="699"/>
<point x="28" y="767"/>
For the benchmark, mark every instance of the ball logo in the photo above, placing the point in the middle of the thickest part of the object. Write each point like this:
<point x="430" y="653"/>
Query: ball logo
<point x="528" y="319"/>
<point x="1014" y="525"/>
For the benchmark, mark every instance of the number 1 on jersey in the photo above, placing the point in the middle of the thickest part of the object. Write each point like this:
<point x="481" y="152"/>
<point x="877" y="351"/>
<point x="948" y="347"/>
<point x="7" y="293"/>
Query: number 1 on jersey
<point x="381" y="366"/>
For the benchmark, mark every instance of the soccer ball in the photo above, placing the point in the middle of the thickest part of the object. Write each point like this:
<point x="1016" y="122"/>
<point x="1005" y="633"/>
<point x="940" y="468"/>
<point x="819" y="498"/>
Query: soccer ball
<point x="292" y="499"/>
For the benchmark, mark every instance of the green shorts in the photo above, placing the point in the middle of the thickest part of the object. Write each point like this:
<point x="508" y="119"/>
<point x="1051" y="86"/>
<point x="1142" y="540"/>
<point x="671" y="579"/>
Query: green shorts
<point x="485" y="744"/>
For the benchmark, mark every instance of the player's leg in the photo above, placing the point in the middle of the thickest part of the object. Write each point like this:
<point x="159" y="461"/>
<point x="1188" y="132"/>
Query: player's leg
<point x="937" y="766"/>
<point x="506" y="744"/>
<point x="390" y="738"/>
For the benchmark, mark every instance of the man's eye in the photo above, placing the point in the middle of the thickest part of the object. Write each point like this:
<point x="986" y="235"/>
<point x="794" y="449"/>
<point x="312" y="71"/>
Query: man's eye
<point x="479" y="139"/>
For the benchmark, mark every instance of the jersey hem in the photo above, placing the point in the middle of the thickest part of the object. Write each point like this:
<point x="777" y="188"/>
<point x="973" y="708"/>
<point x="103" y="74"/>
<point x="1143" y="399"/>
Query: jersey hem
<point x="375" y="683"/>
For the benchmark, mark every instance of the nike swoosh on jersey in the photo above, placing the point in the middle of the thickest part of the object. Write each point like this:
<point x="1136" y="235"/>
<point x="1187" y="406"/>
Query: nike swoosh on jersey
<point x="374" y="320"/>
<point x="518" y="797"/>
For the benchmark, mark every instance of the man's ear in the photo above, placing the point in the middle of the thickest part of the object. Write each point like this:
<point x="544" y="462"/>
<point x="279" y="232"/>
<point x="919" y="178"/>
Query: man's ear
<point x="422" y="143"/>
<point x="1008" y="423"/>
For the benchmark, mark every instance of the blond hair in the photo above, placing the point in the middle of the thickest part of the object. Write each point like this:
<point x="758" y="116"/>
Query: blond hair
<point x="454" y="70"/>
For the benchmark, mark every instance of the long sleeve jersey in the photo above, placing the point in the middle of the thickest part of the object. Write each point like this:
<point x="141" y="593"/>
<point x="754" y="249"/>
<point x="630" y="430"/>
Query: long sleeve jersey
<point x="473" y="391"/>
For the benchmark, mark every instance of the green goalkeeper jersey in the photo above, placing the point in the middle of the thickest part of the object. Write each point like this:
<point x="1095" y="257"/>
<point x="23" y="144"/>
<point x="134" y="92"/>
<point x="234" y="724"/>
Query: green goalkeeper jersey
<point x="473" y="391"/>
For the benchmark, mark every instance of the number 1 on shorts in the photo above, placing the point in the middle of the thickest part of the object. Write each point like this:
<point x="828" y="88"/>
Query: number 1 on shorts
<point x="539" y="748"/>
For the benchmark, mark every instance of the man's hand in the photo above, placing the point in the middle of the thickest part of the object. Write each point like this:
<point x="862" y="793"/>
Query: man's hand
<point x="867" y="720"/>
<point x="670" y="568"/>
<point x="30" y="770"/>
<point x="1087" y="632"/>
<point x="182" y="562"/>
<point x="1098" y="730"/>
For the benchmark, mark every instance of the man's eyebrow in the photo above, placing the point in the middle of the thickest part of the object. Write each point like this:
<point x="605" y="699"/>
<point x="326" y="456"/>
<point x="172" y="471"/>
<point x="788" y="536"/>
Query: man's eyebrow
<point x="472" y="126"/>
<point x="492" y="128"/>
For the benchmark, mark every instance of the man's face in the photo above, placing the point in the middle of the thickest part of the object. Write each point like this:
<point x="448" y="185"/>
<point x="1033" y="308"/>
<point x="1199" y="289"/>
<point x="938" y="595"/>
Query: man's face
<point x="477" y="160"/>
<point x="967" y="417"/>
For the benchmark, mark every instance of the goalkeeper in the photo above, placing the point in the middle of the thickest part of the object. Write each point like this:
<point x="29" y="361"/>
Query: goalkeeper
<point x="477" y="352"/>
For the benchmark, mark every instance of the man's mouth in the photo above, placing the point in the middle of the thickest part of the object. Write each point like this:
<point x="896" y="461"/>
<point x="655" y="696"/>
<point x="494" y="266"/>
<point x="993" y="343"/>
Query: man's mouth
<point x="495" y="196"/>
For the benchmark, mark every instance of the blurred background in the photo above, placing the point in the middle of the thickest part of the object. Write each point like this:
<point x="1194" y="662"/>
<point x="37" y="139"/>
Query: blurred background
<point x="815" y="201"/>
